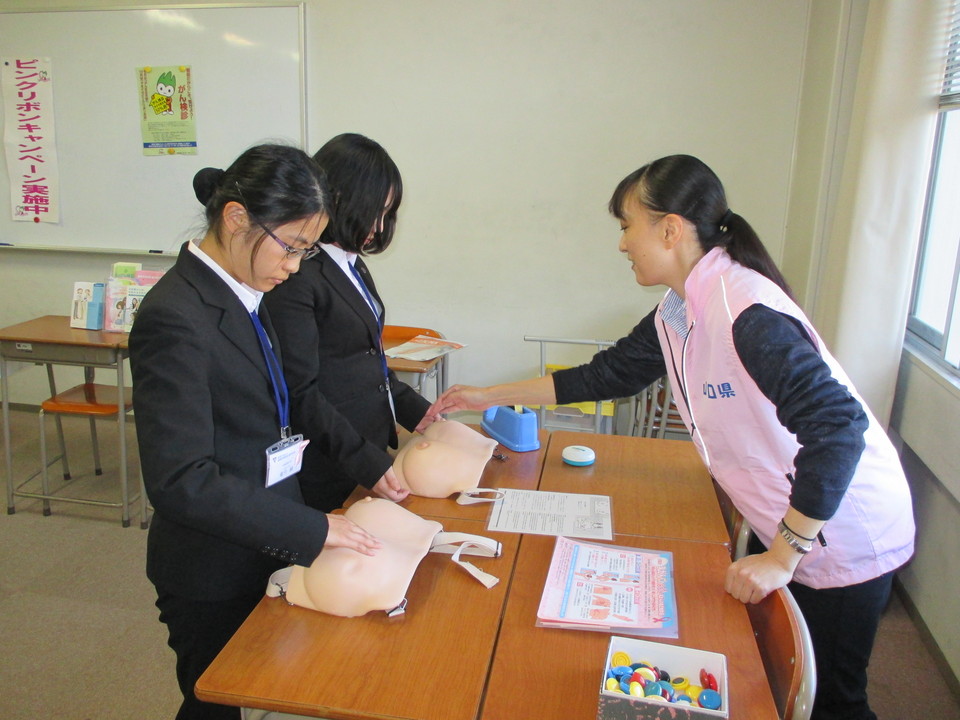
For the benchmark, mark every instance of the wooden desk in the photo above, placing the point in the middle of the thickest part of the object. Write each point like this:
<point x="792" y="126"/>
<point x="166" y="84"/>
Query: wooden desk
<point x="430" y="663"/>
<point x="394" y="335"/>
<point x="51" y="341"/>
<point x="463" y="653"/>
<point x="554" y="674"/>
<point x="660" y="488"/>
<point x="520" y="471"/>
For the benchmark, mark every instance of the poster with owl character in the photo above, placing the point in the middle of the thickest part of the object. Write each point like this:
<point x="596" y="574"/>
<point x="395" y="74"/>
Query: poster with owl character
<point x="167" y="123"/>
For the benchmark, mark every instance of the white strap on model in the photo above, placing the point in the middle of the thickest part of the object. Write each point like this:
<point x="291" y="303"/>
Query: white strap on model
<point x="277" y="585"/>
<point x="479" y="495"/>
<point x="446" y="542"/>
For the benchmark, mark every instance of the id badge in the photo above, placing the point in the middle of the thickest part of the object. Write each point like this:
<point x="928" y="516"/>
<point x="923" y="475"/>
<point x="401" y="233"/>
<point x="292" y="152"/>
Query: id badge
<point x="284" y="458"/>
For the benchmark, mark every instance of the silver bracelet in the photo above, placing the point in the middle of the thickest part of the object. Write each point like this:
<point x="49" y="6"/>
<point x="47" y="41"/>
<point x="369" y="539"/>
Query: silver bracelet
<point x="792" y="539"/>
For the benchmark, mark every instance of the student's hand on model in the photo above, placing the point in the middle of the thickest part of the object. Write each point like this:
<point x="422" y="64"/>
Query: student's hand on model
<point x="427" y="421"/>
<point x="750" y="579"/>
<point x="390" y="487"/>
<point x="344" y="532"/>
<point x="460" y="397"/>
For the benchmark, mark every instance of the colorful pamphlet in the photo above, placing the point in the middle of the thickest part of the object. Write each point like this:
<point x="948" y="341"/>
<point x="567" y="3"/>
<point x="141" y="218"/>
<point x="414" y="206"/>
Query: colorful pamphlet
<point x="609" y="588"/>
<point x="125" y="270"/>
<point x="87" y="308"/>
<point x="135" y="294"/>
<point x="115" y="303"/>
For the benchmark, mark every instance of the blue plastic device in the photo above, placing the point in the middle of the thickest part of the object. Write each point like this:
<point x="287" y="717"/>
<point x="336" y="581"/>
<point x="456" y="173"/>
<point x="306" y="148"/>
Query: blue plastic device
<point x="514" y="430"/>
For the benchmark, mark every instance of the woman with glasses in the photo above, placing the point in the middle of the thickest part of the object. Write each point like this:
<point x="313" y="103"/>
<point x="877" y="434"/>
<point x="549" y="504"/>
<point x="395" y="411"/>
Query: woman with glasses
<point x="219" y="460"/>
<point x="771" y="412"/>
<point x="329" y="318"/>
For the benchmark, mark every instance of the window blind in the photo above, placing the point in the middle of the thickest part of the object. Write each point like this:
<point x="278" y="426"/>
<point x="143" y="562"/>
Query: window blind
<point x="950" y="94"/>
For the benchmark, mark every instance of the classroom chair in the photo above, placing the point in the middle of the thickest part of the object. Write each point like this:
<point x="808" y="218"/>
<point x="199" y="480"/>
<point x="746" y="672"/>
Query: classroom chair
<point x="93" y="401"/>
<point x="786" y="649"/>
<point x="394" y="335"/>
<point x="657" y="414"/>
<point x="597" y="417"/>
<point x="737" y="526"/>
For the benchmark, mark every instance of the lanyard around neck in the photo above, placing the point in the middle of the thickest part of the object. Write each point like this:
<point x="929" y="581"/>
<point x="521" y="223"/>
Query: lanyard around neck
<point x="280" y="394"/>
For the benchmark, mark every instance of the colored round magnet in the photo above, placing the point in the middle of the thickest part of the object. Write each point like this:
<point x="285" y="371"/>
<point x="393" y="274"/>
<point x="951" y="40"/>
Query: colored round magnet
<point x="708" y="679"/>
<point x="709" y="699"/>
<point x="620" y="658"/>
<point x="648" y="674"/>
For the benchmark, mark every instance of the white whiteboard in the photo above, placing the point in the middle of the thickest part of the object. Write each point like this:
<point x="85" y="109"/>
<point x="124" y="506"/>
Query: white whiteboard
<point x="248" y="88"/>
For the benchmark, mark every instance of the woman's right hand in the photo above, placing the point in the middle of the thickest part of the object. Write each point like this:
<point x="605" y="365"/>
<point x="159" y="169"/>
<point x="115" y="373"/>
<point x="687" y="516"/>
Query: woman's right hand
<point x="461" y="397"/>
<point x="390" y="487"/>
<point x="344" y="532"/>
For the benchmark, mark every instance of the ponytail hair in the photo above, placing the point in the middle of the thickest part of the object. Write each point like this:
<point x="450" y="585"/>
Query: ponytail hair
<point x="683" y="185"/>
<point x="277" y="184"/>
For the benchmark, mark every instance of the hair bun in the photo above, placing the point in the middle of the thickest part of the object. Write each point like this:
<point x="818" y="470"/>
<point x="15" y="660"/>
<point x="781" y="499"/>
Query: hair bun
<point x="205" y="182"/>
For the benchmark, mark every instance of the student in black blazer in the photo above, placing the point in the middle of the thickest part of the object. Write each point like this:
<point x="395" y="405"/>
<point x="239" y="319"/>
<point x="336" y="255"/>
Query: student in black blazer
<point x="329" y="318"/>
<point x="208" y="397"/>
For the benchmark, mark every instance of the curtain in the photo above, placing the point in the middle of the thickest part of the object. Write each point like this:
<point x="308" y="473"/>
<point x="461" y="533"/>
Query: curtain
<point x="871" y="247"/>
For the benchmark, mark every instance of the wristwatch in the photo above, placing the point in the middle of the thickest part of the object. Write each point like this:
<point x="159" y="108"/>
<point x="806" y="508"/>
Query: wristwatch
<point x="792" y="540"/>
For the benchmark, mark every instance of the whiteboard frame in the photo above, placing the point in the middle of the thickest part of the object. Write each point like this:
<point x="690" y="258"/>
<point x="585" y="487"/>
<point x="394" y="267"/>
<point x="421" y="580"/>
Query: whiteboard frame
<point x="299" y="5"/>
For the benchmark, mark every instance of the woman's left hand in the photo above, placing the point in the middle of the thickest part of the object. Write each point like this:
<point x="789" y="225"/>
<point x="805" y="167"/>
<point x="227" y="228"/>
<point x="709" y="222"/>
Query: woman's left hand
<point x="750" y="579"/>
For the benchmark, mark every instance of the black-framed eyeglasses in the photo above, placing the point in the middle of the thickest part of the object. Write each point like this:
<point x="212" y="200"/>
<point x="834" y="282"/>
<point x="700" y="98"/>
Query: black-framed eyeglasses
<point x="302" y="253"/>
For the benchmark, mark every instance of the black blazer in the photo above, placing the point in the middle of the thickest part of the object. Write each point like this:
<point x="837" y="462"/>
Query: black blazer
<point x="332" y="361"/>
<point x="205" y="415"/>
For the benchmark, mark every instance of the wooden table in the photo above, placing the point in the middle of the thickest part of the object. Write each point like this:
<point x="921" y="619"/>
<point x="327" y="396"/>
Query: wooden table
<point x="555" y="674"/>
<point x="464" y="653"/>
<point x="430" y="663"/>
<point x="51" y="341"/>
<point x="660" y="488"/>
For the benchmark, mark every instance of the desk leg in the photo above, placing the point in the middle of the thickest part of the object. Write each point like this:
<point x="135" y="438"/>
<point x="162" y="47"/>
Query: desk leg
<point x="5" y="389"/>
<point x="442" y="376"/>
<point x="64" y="461"/>
<point x="121" y="431"/>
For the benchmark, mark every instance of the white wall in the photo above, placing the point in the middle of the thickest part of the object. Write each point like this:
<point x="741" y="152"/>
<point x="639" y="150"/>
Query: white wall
<point x="512" y="123"/>
<point x="926" y="415"/>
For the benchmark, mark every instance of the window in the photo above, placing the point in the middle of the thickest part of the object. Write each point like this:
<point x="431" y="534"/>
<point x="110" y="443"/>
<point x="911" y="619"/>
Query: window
<point x="934" y="317"/>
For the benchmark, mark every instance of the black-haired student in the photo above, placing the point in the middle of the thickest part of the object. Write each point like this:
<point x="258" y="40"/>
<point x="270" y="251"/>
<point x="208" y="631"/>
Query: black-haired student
<point x="329" y="318"/>
<point x="212" y="410"/>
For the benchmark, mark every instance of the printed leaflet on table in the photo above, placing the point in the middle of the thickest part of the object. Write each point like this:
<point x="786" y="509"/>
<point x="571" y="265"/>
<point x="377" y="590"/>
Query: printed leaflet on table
<point x="540" y="512"/>
<point x="609" y="588"/>
<point x="423" y="348"/>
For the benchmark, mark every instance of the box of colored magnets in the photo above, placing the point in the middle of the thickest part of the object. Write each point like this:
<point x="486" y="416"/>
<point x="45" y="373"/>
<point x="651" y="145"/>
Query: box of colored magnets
<point x="645" y="680"/>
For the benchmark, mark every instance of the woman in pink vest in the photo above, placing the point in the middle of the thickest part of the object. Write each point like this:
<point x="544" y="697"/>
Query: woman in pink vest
<point x="774" y="417"/>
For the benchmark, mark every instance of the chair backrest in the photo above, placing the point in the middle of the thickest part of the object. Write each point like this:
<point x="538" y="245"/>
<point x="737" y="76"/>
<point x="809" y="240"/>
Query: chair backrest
<point x="656" y="412"/>
<point x="787" y="652"/>
<point x="737" y="526"/>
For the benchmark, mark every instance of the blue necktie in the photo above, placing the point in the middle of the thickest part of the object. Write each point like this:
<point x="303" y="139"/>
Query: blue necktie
<point x="376" y="309"/>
